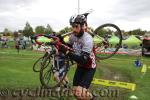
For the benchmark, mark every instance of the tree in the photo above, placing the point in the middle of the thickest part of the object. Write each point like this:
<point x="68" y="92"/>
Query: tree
<point x="48" y="29"/>
<point x="136" y="32"/>
<point x="40" y="30"/>
<point x="20" y="31"/>
<point x="28" y="30"/>
<point x="102" y="32"/>
<point x="65" y="30"/>
<point x="7" y="32"/>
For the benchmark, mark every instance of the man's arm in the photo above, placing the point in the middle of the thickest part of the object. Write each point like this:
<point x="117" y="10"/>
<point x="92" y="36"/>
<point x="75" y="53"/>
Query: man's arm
<point x="63" y="42"/>
<point x="81" y="59"/>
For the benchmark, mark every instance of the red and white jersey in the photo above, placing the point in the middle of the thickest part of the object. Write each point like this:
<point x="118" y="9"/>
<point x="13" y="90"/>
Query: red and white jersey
<point x="85" y="44"/>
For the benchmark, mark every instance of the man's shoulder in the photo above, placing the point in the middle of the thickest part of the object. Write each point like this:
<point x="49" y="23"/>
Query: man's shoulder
<point x="87" y="36"/>
<point x="72" y="36"/>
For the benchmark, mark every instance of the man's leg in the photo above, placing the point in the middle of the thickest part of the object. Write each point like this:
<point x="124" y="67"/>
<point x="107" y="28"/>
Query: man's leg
<point x="82" y="80"/>
<point x="81" y="93"/>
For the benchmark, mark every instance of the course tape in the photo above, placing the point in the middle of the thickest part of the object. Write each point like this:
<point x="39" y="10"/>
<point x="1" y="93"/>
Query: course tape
<point x="144" y="69"/>
<point x="126" y="85"/>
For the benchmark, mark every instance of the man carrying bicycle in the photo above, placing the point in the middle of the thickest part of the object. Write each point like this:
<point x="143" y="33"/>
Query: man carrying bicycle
<point x="82" y="44"/>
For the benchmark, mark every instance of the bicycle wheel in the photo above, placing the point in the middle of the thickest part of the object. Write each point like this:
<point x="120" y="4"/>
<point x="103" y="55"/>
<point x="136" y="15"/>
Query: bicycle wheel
<point x="49" y="78"/>
<point x="107" y="40"/>
<point x="37" y="65"/>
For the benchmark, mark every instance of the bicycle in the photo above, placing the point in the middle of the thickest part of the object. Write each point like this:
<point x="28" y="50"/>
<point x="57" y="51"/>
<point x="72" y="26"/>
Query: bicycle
<point x="47" y="61"/>
<point x="101" y="46"/>
<point x="38" y="63"/>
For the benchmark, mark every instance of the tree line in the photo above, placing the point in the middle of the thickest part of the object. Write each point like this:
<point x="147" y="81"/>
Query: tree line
<point x="28" y="31"/>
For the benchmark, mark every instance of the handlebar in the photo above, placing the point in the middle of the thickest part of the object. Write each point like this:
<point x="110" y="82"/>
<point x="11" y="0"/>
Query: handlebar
<point x="55" y="38"/>
<point x="56" y="41"/>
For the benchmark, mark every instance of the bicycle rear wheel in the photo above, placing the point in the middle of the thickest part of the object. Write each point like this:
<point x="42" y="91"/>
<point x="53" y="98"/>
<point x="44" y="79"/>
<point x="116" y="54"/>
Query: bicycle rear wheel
<point x="107" y="40"/>
<point x="49" y="78"/>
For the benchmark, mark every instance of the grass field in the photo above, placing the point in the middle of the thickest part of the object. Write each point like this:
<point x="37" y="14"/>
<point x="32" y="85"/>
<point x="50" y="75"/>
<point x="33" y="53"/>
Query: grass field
<point x="16" y="72"/>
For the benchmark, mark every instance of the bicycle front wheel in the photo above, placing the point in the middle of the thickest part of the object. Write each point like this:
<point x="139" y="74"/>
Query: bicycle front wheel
<point x="50" y="75"/>
<point x="107" y="40"/>
<point x="37" y="65"/>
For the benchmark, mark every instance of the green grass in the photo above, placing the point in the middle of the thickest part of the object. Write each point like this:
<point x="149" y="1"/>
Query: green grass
<point x="16" y="71"/>
<point x="125" y="65"/>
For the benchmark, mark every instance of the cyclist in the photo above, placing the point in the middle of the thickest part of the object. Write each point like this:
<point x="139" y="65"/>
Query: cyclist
<point x="17" y="44"/>
<point x="82" y="44"/>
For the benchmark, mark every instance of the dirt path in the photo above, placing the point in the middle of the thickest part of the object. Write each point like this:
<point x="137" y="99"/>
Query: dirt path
<point x="109" y="73"/>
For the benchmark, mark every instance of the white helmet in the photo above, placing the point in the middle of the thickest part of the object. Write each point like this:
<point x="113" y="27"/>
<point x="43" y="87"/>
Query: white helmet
<point x="79" y="19"/>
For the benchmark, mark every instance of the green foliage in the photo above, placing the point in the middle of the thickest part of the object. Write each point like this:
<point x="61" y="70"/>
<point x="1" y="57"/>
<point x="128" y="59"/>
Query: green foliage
<point x="43" y="30"/>
<point x="102" y="32"/>
<point x="65" y="30"/>
<point x="40" y="30"/>
<point x="136" y="32"/>
<point x="16" y="71"/>
<point x="48" y="29"/>
<point x="7" y="32"/>
<point x="20" y="31"/>
<point x="28" y="30"/>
